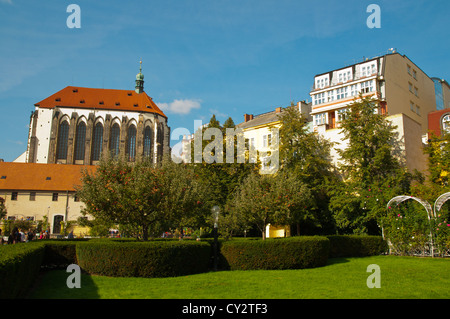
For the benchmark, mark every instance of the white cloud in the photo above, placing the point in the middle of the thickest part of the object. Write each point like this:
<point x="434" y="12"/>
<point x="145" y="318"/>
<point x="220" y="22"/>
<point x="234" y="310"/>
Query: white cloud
<point x="217" y="113"/>
<point x="180" y="106"/>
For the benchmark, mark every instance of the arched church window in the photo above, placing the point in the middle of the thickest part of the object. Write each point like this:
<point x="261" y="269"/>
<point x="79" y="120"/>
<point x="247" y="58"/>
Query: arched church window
<point x="131" y="143"/>
<point x="80" y="141"/>
<point x="147" y="141"/>
<point x="115" y="140"/>
<point x="63" y="136"/>
<point x="97" y="142"/>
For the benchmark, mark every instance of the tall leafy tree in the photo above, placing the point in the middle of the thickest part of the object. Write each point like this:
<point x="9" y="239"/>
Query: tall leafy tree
<point x="369" y="165"/>
<point x="306" y="156"/>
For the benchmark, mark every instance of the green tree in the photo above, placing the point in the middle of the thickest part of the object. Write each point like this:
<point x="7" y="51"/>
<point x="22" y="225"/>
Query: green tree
<point x="3" y="211"/>
<point x="306" y="156"/>
<point x="369" y="164"/>
<point x="139" y="194"/>
<point x="270" y="199"/>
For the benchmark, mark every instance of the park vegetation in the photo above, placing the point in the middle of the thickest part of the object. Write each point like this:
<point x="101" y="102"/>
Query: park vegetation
<point x="308" y="193"/>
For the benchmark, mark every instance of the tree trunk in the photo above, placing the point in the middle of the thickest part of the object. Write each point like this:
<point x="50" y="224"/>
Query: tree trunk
<point x="298" y="229"/>
<point x="264" y="232"/>
<point x="145" y="232"/>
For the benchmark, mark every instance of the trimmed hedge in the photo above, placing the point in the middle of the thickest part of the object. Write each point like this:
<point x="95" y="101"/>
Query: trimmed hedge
<point x="283" y="253"/>
<point x="356" y="246"/>
<point x="143" y="259"/>
<point x="19" y="268"/>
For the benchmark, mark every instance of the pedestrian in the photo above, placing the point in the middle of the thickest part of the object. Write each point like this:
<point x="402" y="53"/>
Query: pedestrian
<point x="70" y="236"/>
<point x="30" y="235"/>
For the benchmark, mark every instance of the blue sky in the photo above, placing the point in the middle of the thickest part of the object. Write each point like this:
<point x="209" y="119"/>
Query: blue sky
<point x="227" y="57"/>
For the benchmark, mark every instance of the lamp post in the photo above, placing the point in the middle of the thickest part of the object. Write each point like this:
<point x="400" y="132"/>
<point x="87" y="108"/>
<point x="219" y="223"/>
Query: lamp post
<point x="215" y="211"/>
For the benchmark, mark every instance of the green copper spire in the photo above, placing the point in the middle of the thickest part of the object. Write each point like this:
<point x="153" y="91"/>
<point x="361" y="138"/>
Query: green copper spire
<point x="139" y="88"/>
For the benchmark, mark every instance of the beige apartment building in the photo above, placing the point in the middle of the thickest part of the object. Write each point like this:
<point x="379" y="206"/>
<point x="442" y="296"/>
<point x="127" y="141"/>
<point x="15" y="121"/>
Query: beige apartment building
<point x="32" y="191"/>
<point x="402" y="90"/>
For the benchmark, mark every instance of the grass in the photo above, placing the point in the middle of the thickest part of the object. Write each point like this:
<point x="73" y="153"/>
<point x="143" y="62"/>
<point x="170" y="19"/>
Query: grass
<point x="401" y="277"/>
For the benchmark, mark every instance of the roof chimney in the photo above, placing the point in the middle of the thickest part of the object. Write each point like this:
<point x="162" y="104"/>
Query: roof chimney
<point x="278" y="110"/>
<point x="248" y="117"/>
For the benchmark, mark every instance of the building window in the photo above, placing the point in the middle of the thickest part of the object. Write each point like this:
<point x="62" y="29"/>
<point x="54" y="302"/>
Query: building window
<point x="341" y="114"/>
<point x="418" y="110"/>
<point x="63" y="136"/>
<point x="319" y="98"/>
<point x="55" y="197"/>
<point x="14" y="195"/>
<point x="80" y="141"/>
<point x="374" y="69"/>
<point x="330" y="95"/>
<point x="267" y="140"/>
<point x="414" y="74"/>
<point x="147" y="141"/>
<point x="319" y="119"/>
<point x="115" y="140"/>
<point x="32" y="196"/>
<point x="446" y="123"/>
<point x="341" y="93"/>
<point x="131" y="143"/>
<point x="416" y="91"/>
<point x="367" y="87"/>
<point x="410" y="86"/>
<point x="411" y="106"/>
<point x="408" y="68"/>
<point x="97" y="142"/>
<point x="76" y="198"/>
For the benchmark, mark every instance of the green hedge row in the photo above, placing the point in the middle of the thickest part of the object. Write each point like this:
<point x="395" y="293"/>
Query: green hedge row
<point x="282" y="253"/>
<point x="356" y="246"/>
<point x="20" y="263"/>
<point x="144" y="259"/>
<point x="19" y="268"/>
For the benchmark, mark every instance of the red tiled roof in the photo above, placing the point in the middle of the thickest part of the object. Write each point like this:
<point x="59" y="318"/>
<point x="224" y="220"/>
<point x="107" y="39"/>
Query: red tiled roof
<point x="106" y="99"/>
<point x="41" y="177"/>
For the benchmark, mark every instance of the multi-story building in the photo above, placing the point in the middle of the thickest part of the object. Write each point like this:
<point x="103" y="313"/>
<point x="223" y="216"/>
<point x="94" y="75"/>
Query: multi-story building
<point x="402" y="90"/>
<point x="77" y="125"/>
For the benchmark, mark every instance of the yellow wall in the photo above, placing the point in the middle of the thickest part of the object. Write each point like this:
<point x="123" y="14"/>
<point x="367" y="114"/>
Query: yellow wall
<point x="43" y="205"/>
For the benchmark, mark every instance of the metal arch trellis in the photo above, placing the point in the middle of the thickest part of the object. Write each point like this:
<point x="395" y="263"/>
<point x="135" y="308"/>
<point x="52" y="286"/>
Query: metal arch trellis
<point x="431" y="212"/>
<point x="440" y="201"/>
<point x="399" y="199"/>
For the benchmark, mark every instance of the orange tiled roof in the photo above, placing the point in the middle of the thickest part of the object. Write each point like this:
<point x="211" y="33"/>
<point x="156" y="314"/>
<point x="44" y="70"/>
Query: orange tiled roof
<point x="106" y="99"/>
<point x="40" y="177"/>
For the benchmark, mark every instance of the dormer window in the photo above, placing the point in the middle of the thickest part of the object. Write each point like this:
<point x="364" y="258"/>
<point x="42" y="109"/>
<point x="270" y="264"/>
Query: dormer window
<point x="101" y="103"/>
<point x="82" y="101"/>
<point x="75" y="90"/>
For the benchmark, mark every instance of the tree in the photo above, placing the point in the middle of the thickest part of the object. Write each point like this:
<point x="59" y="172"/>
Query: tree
<point x="139" y="194"/>
<point x="306" y="156"/>
<point x="369" y="163"/>
<point x="3" y="211"/>
<point x="270" y="199"/>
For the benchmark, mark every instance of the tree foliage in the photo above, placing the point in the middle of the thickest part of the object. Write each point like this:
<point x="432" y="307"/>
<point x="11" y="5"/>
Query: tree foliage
<point x="142" y="195"/>
<point x="270" y="199"/>
<point x="371" y="167"/>
<point x="306" y="156"/>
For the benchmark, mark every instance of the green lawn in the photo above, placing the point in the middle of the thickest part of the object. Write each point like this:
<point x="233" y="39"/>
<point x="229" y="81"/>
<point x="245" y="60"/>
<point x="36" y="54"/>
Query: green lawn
<point x="401" y="277"/>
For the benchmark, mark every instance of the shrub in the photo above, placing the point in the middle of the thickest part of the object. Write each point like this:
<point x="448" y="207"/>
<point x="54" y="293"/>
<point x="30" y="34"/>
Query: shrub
<point x="356" y="246"/>
<point x="19" y="268"/>
<point x="143" y="259"/>
<point x="60" y="253"/>
<point x="276" y="253"/>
